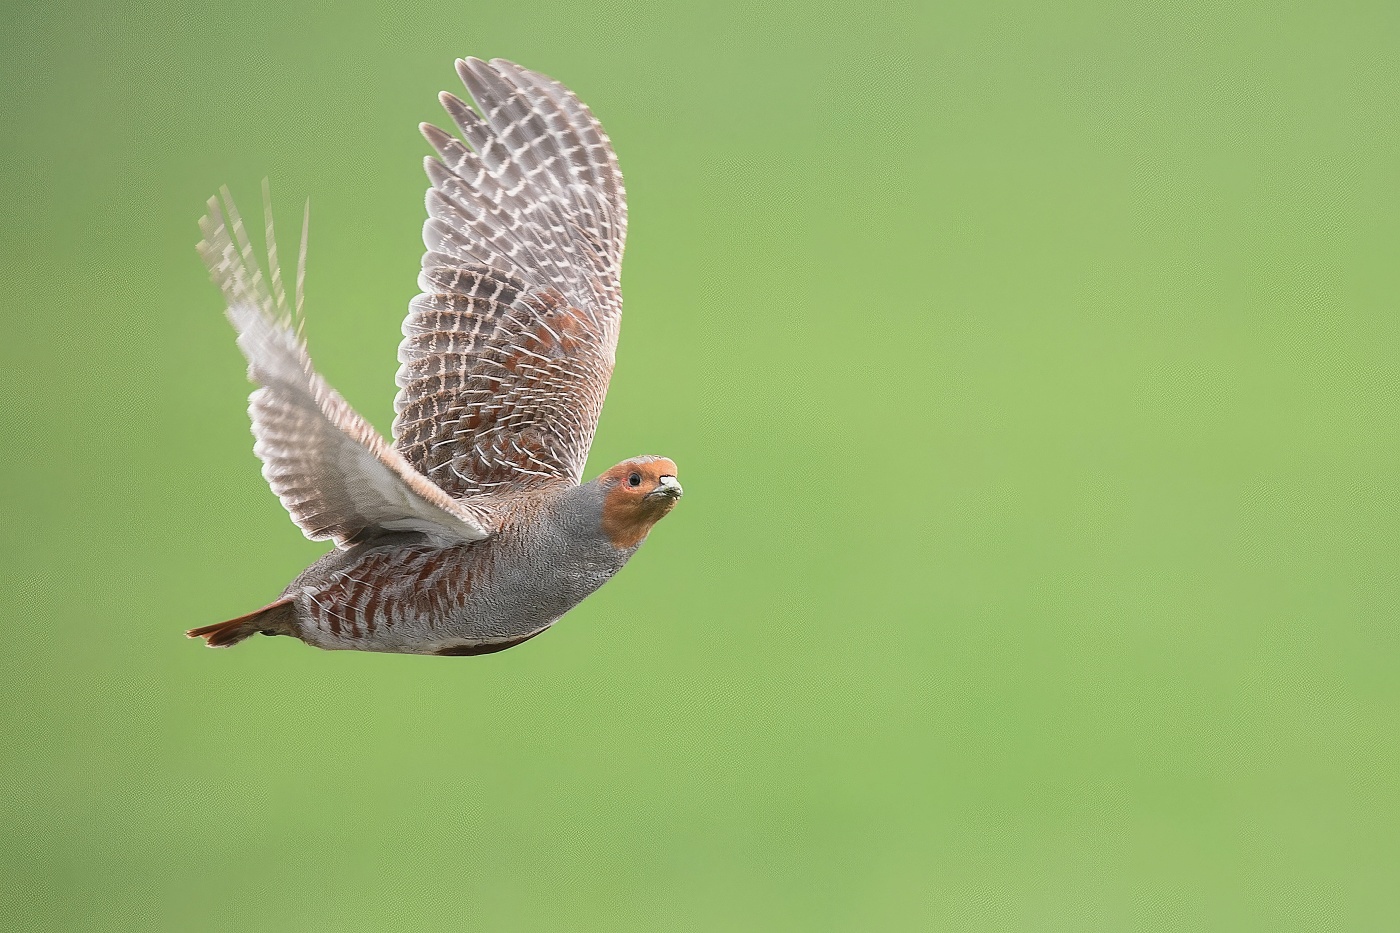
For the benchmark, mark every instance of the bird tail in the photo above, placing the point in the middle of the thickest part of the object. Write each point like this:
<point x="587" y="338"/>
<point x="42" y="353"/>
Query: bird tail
<point x="277" y="618"/>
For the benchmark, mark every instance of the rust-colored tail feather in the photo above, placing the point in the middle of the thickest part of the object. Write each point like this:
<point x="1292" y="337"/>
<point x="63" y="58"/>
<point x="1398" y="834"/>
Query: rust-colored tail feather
<point x="277" y="618"/>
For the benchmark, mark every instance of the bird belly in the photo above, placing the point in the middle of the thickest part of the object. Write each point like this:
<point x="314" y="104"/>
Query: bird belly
<point x="446" y="601"/>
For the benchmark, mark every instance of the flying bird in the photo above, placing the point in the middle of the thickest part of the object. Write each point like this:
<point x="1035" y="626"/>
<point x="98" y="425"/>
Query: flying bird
<point x="472" y="531"/>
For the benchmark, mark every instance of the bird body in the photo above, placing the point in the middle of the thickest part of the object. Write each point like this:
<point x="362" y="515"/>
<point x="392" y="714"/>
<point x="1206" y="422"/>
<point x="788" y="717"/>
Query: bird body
<point x="471" y="533"/>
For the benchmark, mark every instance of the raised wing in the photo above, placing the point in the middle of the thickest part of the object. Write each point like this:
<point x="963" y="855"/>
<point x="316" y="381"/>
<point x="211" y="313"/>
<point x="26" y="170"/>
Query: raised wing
<point x="507" y="353"/>
<point x="332" y="471"/>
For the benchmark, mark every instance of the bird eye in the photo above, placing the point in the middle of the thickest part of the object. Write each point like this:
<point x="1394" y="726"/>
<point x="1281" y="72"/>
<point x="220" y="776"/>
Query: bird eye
<point x="634" y="479"/>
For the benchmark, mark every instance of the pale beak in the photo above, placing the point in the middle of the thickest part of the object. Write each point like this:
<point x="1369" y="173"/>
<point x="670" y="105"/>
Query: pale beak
<point x="668" y="488"/>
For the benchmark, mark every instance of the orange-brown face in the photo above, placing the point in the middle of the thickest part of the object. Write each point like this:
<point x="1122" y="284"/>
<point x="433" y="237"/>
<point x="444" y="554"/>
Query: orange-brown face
<point x="636" y="494"/>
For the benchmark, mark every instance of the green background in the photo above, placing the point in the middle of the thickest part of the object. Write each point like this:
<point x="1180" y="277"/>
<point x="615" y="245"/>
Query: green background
<point x="1032" y="373"/>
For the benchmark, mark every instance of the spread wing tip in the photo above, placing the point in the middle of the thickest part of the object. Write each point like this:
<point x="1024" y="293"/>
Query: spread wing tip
<point x="332" y="471"/>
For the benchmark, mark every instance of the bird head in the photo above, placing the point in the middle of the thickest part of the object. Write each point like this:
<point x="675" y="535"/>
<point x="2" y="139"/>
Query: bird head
<point x="637" y="493"/>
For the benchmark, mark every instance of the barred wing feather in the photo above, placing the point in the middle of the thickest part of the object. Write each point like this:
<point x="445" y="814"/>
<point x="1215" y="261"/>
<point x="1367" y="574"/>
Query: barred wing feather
<point x="334" y="474"/>
<point x="508" y="351"/>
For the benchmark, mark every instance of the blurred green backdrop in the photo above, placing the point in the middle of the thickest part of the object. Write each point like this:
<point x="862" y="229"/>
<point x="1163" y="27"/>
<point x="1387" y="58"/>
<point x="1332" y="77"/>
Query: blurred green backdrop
<point x="1032" y="373"/>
